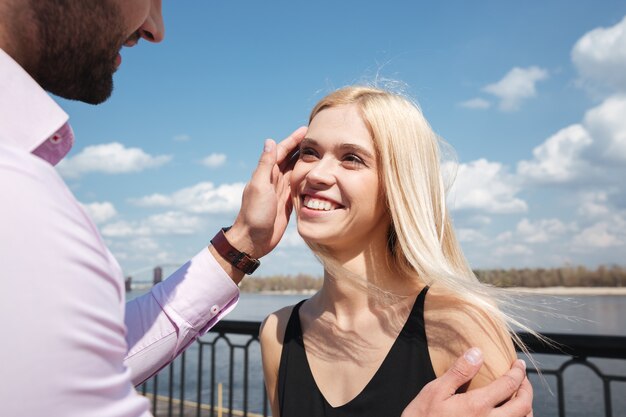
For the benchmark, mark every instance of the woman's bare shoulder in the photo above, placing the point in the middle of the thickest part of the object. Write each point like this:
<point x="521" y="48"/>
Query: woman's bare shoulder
<point x="454" y="324"/>
<point x="274" y="326"/>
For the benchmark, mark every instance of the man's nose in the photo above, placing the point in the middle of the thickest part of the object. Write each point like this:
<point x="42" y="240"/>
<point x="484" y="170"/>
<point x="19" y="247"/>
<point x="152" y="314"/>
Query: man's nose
<point x="153" y="29"/>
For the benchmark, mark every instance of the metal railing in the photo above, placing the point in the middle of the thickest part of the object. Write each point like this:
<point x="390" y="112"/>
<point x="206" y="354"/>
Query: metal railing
<point x="578" y="350"/>
<point x="194" y="384"/>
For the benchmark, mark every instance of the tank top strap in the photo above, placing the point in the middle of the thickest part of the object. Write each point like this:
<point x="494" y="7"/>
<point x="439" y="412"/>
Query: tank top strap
<point x="294" y="329"/>
<point x="293" y="352"/>
<point x="414" y="327"/>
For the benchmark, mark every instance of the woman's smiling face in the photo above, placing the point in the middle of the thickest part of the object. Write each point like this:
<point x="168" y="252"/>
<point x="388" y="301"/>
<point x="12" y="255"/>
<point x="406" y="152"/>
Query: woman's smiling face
<point x="335" y="185"/>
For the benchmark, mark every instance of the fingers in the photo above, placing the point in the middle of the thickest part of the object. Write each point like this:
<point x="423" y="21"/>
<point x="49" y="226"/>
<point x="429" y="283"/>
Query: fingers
<point x="464" y="369"/>
<point x="520" y="406"/>
<point x="267" y="161"/>
<point x="290" y="143"/>
<point x="274" y="154"/>
<point x="503" y="388"/>
<point x="525" y="397"/>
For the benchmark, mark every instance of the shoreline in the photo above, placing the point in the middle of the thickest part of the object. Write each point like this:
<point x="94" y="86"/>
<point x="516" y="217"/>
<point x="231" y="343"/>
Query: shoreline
<point x="527" y="290"/>
<point x="571" y="290"/>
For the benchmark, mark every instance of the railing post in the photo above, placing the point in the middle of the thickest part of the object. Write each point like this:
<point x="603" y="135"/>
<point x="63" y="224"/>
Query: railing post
<point x="158" y="275"/>
<point x="608" y="407"/>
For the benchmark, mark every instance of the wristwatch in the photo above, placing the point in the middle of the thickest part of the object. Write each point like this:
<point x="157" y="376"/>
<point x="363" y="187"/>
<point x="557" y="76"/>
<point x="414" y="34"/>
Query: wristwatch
<point x="240" y="260"/>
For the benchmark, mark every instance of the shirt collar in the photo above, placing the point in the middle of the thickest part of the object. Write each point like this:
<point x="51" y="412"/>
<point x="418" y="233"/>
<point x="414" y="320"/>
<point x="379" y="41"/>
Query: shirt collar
<point x="28" y="115"/>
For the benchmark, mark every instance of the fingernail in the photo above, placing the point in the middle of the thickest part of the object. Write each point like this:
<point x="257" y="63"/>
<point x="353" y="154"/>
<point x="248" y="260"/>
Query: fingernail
<point x="268" y="145"/>
<point x="522" y="362"/>
<point x="474" y="356"/>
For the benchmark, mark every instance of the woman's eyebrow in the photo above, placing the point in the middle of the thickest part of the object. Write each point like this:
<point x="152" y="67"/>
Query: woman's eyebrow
<point x="308" y="141"/>
<point x="356" y="149"/>
<point x="346" y="147"/>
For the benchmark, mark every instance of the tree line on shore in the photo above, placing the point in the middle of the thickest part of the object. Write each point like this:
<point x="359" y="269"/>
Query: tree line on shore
<point x="568" y="276"/>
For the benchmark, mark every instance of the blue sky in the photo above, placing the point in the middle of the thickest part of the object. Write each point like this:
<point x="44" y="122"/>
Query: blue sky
<point x="531" y="95"/>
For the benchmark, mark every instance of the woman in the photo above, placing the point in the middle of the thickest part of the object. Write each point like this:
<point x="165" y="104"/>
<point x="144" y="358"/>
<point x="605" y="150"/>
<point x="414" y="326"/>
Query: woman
<point x="399" y="302"/>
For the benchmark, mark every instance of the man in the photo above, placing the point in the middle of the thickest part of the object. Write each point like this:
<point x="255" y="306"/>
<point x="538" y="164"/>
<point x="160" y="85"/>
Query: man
<point x="71" y="347"/>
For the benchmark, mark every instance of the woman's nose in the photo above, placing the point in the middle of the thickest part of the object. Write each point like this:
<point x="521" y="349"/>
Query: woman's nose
<point x="321" y="173"/>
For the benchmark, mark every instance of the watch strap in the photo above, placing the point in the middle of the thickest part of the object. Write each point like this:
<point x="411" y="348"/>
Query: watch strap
<point x="240" y="260"/>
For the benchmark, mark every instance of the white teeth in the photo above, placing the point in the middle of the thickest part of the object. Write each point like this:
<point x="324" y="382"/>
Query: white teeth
<point x="317" y="204"/>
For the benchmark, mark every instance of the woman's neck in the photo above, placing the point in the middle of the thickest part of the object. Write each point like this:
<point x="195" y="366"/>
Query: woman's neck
<point x="357" y="281"/>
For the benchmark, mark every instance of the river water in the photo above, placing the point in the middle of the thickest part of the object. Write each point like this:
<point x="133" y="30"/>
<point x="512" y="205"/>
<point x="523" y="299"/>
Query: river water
<point x="591" y="314"/>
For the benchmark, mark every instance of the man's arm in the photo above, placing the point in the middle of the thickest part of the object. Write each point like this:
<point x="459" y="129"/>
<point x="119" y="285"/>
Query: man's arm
<point x="162" y="323"/>
<point x="165" y="321"/>
<point x="439" y="398"/>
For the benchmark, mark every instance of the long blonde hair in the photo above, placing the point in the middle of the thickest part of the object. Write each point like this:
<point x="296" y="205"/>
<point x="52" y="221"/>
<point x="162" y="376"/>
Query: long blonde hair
<point x="422" y="242"/>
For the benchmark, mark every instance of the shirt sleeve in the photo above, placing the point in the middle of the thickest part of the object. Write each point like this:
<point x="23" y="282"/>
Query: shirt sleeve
<point x="163" y="322"/>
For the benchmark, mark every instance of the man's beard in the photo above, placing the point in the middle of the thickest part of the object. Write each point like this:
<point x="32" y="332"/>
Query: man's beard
<point x="78" y="44"/>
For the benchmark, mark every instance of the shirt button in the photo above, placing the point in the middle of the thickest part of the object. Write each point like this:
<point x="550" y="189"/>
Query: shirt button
<point x="214" y="310"/>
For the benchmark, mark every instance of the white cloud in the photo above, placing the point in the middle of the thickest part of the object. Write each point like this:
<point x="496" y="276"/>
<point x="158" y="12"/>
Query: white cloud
<point x="558" y="159"/>
<point x="607" y="125"/>
<point x="214" y="160"/>
<point x="470" y="235"/>
<point x="598" y="236"/>
<point x="504" y="236"/>
<point x="594" y="204"/>
<point x="182" y="138"/>
<point x="516" y="86"/>
<point x="145" y="253"/>
<point x="592" y="151"/>
<point x="203" y="197"/>
<point x="123" y="228"/>
<point x="600" y="57"/>
<point x="476" y="104"/>
<point x="164" y="224"/>
<point x="100" y="212"/>
<point x="110" y="158"/>
<point x="513" y="249"/>
<point x="144" y="245"/>
<point x="174" y="223"/>
<point x="154" y="200"/>
<point x="480" y="220"/>
<point x="543" y="230"/>
<point x="486" y="186"/>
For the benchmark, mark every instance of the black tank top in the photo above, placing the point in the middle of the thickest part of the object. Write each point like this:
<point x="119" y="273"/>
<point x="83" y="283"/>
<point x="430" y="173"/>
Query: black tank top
<point x="402" y="374"/>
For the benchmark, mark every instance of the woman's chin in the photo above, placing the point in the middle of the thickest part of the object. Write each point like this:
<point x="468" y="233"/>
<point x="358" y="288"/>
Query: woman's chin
<point x="312" y="235"/>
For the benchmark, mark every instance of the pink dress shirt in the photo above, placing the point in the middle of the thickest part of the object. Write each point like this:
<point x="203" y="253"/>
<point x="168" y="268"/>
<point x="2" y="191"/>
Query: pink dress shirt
<point x="71" y="346"/>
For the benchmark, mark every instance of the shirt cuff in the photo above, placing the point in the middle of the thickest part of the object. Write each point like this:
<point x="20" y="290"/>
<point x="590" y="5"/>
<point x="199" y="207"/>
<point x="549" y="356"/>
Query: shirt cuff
<point x="198" y="294"/>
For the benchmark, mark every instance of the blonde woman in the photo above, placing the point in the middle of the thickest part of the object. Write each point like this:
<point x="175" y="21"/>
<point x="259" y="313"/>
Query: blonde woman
<point x="399" y="302"/>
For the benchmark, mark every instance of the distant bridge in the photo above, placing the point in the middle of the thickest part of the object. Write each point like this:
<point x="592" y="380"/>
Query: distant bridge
<point x="154" y="275"/>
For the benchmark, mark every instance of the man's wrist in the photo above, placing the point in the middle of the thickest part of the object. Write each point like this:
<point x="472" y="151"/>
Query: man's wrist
<point x="234" y="274"/>
<point x="241" y="260"/>
<point x="241" y="238"/>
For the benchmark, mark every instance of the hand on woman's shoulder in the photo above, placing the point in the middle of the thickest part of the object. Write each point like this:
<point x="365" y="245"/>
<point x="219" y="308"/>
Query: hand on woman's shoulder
<point x="454" y="324"/>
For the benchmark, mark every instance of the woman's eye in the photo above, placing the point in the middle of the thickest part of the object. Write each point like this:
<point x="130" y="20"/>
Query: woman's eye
<point x="353" y="160"/>
<point x="307" y="153"/>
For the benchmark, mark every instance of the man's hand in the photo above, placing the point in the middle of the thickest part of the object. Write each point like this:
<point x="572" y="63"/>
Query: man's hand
<point x="266" y="203"/>
<point x="439" y="398"/>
